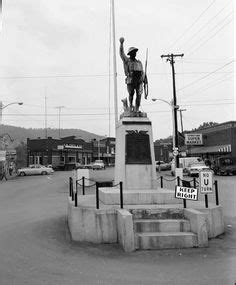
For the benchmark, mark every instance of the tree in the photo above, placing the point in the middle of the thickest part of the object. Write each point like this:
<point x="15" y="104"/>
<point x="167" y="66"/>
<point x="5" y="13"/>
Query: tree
<point x="21" y="154"/>
<point x="206" y="125"/>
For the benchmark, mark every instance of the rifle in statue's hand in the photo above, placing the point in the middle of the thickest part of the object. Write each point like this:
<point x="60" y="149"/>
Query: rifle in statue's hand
<point x="145" y="81"/>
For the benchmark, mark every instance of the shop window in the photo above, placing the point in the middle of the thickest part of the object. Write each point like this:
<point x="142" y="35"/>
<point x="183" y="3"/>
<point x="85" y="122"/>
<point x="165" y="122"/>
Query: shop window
<point x="71" y="159"/>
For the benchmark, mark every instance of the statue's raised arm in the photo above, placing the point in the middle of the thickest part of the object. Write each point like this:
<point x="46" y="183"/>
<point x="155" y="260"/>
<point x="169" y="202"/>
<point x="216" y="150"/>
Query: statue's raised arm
<point x="122" y="53"/>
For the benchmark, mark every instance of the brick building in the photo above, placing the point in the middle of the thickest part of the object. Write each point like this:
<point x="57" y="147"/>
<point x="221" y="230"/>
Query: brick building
<point x="66" y="152"/>
<point x="218" y="140"/>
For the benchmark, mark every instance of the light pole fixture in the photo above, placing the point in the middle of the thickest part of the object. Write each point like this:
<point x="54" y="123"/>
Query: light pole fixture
<point x="181" y="119"/>
<point x="174" y="108"/>
<point x="59" y="114"/>
<point x="4" y="106"/>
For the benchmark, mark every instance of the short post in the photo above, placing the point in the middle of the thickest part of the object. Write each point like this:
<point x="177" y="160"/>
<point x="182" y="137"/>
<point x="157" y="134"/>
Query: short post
<point x="216" y="193"/>
<point x="178" y="181"/>
<point x="121" y="194"/>
<point x="206" y="201"/>
<point x="70" y="192"/>
<point x="76" y="186"/>
<point x="83" y="186"/>
<point x="97" y="195"/>
<point x="194" y="182"/>
<point x="161" y="181"/>
<point x="178" y="184"/>
<point x="76" y="199"/>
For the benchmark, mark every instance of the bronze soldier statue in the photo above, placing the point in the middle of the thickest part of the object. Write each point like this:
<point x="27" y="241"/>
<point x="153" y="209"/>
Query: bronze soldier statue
<point x="135" y="76"/>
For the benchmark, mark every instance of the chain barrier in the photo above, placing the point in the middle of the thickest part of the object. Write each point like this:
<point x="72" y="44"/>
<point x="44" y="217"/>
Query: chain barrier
<point x="74" y="194"/>
<point x="169" y="180"/>
<point x="89" y="179"/>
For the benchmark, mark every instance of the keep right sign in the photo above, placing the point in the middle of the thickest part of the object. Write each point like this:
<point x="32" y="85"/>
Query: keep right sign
<point x="206" y="181"/>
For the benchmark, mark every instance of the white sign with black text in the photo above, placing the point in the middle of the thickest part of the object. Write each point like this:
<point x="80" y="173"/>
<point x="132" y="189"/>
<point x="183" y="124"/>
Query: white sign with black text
<point x="206" y="182"/>
<point x="186" y="193"/>
<point x="193" y="139"/>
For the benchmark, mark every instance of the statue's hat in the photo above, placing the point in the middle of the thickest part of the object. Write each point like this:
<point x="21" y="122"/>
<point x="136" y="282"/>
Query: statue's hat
<point x="132" y="49"/>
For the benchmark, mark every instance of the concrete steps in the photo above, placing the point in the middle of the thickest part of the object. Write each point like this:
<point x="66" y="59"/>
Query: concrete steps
<point x="165" y="225"/>
<point x="162" y="229"/>
<point x="159" y="213"/>
<point x="165" y="240"/>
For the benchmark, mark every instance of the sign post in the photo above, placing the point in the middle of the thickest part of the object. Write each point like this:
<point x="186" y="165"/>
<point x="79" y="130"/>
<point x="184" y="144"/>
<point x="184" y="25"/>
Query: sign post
<point x="206" y="181"/>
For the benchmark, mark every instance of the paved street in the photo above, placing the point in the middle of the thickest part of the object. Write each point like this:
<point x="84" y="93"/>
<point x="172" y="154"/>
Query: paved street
<point x="35" y="245"/>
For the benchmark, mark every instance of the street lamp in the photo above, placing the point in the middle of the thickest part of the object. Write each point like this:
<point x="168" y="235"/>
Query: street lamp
<point x="4" y="106"/>
<point x="181" y="119"/>
<point x="175" y="131"/>
<point x="59" y="114"/>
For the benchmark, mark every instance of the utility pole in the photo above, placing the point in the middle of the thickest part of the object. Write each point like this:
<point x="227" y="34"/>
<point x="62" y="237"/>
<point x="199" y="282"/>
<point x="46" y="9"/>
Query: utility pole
<point x="59" y="115"/>
<point x="1" y="108"/>
<point x="181" y="119"/>
<point x="45" y="115"/>
<point x="170" y="58"/>
<point x="114" y="63"/>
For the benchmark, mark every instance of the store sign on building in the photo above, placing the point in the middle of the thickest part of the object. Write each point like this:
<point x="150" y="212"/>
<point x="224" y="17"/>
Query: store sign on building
<point x="3" y="155"/>
<point x="205" y="181"/>
<point x="69" y="146"/>
<point x="193" y="139"/>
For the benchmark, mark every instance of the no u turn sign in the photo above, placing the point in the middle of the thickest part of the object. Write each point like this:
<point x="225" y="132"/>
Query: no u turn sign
<point x="206" y="181"/>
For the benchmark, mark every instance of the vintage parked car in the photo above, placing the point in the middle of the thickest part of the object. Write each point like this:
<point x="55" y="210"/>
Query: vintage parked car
<point x="163" y="165"/>
<point x="224" y="165"/>
<point x="194" y="169"/>
<point x="35" y="169"/>
<point x="98" y="164"/>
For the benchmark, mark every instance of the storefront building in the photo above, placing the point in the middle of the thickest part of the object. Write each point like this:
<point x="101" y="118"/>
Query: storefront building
<point x="104" y="149"/>
<point x="67" y="152"/>
<point x="218" y="140"/>
<point x="61" y="153"/>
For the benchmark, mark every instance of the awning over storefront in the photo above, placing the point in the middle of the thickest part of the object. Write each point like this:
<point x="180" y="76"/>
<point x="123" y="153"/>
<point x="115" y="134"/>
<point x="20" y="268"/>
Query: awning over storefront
<point x="210" y="149"/>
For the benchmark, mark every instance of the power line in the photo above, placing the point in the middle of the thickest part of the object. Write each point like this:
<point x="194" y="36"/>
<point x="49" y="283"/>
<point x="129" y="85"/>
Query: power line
<point x="81" y="75"/>
<point x="65" y="115"/>
<point x="208" y="100"/>
<point x="208" y="7"/>
<point x="210" y="73"/>
<point x="208" y="85"/>
<point x="213" y="28"/>
<point x="191" y="52"/>
<point x="205" y="25"/>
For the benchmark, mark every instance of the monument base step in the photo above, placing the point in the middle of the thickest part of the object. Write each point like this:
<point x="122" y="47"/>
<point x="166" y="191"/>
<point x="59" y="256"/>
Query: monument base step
<point x="111" y="196"/>
<point x="163" y="225"/>
<point x="165" y="240"/>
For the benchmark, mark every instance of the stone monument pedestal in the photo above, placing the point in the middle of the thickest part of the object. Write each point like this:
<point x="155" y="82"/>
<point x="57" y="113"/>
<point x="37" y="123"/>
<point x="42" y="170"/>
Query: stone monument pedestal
<point x="151" y="217"/>
<point x="135" y="159"/>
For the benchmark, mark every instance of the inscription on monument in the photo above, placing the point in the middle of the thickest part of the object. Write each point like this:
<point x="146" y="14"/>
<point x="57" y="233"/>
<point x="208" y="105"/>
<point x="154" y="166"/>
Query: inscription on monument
<point x="137" y="148"/>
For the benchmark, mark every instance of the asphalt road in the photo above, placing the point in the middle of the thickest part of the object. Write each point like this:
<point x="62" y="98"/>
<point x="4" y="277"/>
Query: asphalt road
<point x="35" y="245"/>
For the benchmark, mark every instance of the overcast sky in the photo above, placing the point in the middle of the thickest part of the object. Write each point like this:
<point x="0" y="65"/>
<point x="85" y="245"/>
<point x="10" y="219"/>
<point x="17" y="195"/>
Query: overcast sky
<point x="60" y="49"/>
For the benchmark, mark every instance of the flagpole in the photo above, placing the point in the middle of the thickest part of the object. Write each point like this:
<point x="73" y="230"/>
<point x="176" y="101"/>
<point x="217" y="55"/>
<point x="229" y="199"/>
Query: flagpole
<point x="114" y="63"/>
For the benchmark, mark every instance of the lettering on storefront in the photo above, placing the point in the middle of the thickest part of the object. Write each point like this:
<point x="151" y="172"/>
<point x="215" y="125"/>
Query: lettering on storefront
<point x="69" y="146"/>
<point x="193" y="139"/>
